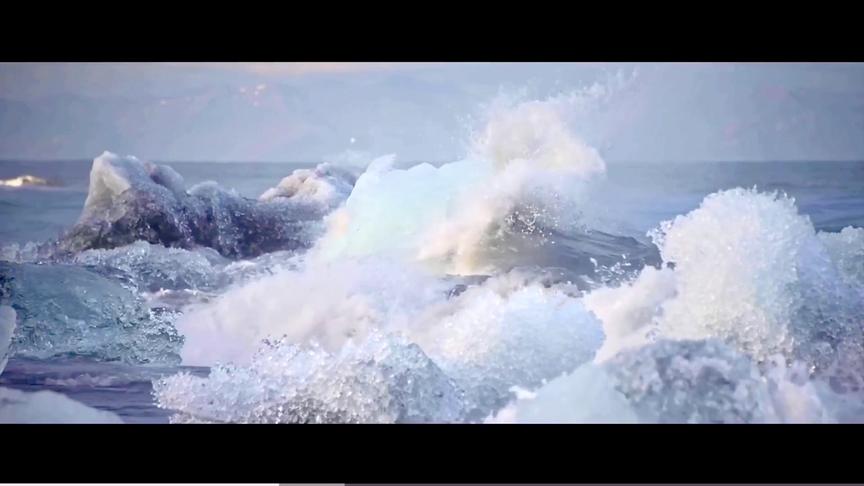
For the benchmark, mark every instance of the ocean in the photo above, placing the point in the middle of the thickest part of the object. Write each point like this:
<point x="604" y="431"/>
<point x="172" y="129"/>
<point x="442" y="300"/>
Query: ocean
<point x="432" y="298"/>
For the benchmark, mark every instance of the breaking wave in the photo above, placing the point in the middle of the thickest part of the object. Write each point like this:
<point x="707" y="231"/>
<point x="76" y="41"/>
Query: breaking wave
<point x="477" y="290"/>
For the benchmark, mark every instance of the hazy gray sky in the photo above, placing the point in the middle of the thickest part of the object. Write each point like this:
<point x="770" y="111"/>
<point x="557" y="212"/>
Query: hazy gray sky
<point x="317" y="111"/>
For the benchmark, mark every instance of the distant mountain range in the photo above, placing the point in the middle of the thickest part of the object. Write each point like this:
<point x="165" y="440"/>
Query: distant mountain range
<point x="668" y="113"/>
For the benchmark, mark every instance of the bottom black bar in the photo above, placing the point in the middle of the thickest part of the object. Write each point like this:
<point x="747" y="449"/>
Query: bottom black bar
<point x="429" y="453"/>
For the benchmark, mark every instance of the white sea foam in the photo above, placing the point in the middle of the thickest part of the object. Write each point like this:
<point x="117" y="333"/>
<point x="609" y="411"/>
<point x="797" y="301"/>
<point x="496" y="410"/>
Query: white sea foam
<point x="745" y="280"/>
<point x="328" y="302"/>
<point x="628" y="311"/>
<point x="487" y="339"/>
<point x="752" y="316"/>
<point x="87" y="380"/>
<point x="523" y="173"/>
<point x="752" y="272"/>
<point x="748" y="270"/>
<point x="846" y="249"/>
<point x="737" y="258"/>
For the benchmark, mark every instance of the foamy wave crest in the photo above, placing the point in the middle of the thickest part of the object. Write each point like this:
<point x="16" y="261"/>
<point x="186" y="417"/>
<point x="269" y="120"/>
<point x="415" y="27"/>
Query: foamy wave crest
<point x="535" y="131"/>
<point x="758" y="318"/>
<point x="747" y="269"/>
<point x="26" y="181"/>
<point x="522" y="179"/>
<point x="486" y="337"/>
<point x="627" y="310"/>
<point x="329" y="303"/>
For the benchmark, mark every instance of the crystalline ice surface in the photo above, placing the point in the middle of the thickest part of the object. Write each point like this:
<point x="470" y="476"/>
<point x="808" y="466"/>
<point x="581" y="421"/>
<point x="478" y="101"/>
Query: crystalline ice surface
<point x="692" y="382"/>
<point x="847" y="251"/>
<point x="325" y="185"/>
<point x="131" y="200"/>
<point x="746" y="268"/>
<point x="495" y="338"/>
<point x="383" y="379"/>
<point x="663" y="382"/>
<point x="587" y="395"/>
<point x="68" y="310"/>
<point x="152" y="267"/>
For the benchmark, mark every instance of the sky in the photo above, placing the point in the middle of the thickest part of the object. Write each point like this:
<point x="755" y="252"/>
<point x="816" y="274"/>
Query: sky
<point x="314" y="112"/>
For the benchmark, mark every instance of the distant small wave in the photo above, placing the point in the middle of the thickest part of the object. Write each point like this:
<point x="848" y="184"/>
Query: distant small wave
<point x="27" y="180"/>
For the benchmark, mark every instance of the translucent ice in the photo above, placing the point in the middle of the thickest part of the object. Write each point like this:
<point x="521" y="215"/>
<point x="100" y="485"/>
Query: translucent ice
<point x="587" y="395"/>
<point x="65" y="309"/>
<point x="325" y="185"/>
<point x="847" y="251"/>
<point x="692" y="382"/>
<point x="494" y="338"/>
<point x="736" y="260"/>
<point x="48" y="407"/>
<point x="747" y="269"/>
<point x="383" y="379"/>
<point x="672" y="382"/>
<point x="151" y="268"/>
<point x="488" y="335"/>
<point x="389" y="209"/>
<point x="131" y="200"/>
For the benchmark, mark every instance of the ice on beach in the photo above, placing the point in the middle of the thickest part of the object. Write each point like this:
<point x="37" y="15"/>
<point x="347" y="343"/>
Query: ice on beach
<point x="48" y="407"/>
<point x="148" y="267"/>
<point x="672" y="382"/>
<point x="494" y="338"/>
<point x="379" y="379"/>
<point x="130" y="200"/>
<point x="68" y="310"/>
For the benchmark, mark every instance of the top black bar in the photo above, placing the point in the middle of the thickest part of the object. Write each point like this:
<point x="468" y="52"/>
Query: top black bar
<point x="555" y="38"/>
<point x="407" y="52"/>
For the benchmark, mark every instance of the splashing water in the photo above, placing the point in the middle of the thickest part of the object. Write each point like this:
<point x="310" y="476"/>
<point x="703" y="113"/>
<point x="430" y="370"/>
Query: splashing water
<point x="477" y="290"/>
